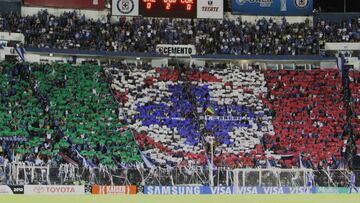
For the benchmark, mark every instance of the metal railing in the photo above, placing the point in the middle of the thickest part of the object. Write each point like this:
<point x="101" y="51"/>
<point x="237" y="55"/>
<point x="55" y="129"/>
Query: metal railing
<point x="70" y="175"/>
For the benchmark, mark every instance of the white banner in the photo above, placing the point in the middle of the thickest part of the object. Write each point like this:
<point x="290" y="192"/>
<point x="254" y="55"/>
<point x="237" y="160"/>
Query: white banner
<point x="210" y="9"/>
<point x="176" y="50"/>
<point x="54" y="190"/>
<point x="125" y="7"/>
<point x="340" y="46"/>
<point x="5" y="190"/>
<point x="12" y="36"/>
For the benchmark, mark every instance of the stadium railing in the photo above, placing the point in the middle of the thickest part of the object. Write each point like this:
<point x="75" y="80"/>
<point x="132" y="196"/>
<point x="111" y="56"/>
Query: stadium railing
<point x="21" y="174"/>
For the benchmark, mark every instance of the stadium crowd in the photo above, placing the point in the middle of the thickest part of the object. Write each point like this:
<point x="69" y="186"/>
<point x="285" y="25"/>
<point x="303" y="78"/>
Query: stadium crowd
<point x="59" y="114"/>
<point x="48" y="115"/>
<point x="310" y="116"/>
<point x="285" y="117"/>
<point x="228" y="36"/>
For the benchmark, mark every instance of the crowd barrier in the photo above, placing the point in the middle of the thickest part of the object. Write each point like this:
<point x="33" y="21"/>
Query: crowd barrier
<point x="162" y="190"/>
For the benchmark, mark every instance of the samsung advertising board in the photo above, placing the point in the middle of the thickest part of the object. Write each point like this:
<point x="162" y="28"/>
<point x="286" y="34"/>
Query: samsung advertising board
<point x="273" y="7"/>
<point x="200" y="190"/>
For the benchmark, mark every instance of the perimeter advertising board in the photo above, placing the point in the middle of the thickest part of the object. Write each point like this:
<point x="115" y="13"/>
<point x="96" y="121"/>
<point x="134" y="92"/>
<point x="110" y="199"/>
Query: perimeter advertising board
<point x="199" y="190"/>
<point x="113" y="190"/>
<point x="273" y="7"/>
<point x="54" y="189"/>
<point x="11" y="189"/>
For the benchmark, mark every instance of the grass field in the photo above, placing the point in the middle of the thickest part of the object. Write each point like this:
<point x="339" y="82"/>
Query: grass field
<point x="318" y="198"/>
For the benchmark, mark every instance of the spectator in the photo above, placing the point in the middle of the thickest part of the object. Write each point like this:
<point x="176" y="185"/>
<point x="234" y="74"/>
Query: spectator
<point x="227" y="36"/>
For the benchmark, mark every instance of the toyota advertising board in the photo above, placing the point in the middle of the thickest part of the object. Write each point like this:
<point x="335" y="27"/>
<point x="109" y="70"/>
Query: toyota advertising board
<point x="54" y="189"/>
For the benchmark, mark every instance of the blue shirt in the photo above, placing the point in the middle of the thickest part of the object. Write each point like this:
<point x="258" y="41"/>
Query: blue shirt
<point x="352" y="179"/>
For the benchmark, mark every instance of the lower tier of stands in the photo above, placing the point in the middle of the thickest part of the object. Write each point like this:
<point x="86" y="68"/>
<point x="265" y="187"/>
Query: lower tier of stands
<point x="123" y="116"/>
<point x="252" y="118"/>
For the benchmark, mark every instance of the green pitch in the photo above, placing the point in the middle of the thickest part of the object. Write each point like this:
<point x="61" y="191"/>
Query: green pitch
<point x="318" y="198"/>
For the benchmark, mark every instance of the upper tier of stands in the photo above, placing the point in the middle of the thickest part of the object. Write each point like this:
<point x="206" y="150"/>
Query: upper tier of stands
<point x="265" y="37"/>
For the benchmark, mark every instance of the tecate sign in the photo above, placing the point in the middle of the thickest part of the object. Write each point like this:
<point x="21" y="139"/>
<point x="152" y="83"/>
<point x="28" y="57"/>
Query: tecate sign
<point x="56" y="190"/>
<point x="210" y="9"/>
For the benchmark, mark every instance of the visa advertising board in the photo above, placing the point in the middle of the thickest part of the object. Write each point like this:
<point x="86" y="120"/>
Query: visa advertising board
<point x="199" y="190"/>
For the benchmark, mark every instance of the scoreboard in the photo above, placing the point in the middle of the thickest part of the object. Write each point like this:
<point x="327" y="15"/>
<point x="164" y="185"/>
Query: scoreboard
<point x="168" y="8"/>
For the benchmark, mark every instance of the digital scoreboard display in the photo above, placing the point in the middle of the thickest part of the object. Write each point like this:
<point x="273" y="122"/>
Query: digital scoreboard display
<point x="168" y="8"/>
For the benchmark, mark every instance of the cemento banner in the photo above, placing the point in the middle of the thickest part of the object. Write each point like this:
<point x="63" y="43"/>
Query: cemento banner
<point x="198" y="190"/>
<point x="54" y="189"/>
<point x="176" y="50"/>
<point x="113" y="190"/>
<point x="11" y="189"/>
<point x="210" y="9"/>
<point x="125" y="7"/>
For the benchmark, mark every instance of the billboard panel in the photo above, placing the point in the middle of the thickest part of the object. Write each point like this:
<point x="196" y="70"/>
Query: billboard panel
<point x="176" y="50"/>
<point x="113" y="190"/>
<point x="210" y="9"/>
<point x="273" y="7"/>
<point x="78" y="4"/>
<point x="125" y="7"/>
<point x="198" y="190"/>
<point x="54" y="189"/>
<point x="11" y="189"/>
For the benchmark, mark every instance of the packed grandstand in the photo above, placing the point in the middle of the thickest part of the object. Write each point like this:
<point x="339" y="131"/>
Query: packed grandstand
<point x="129" y="119"/>
<point x="210" y="36"/>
